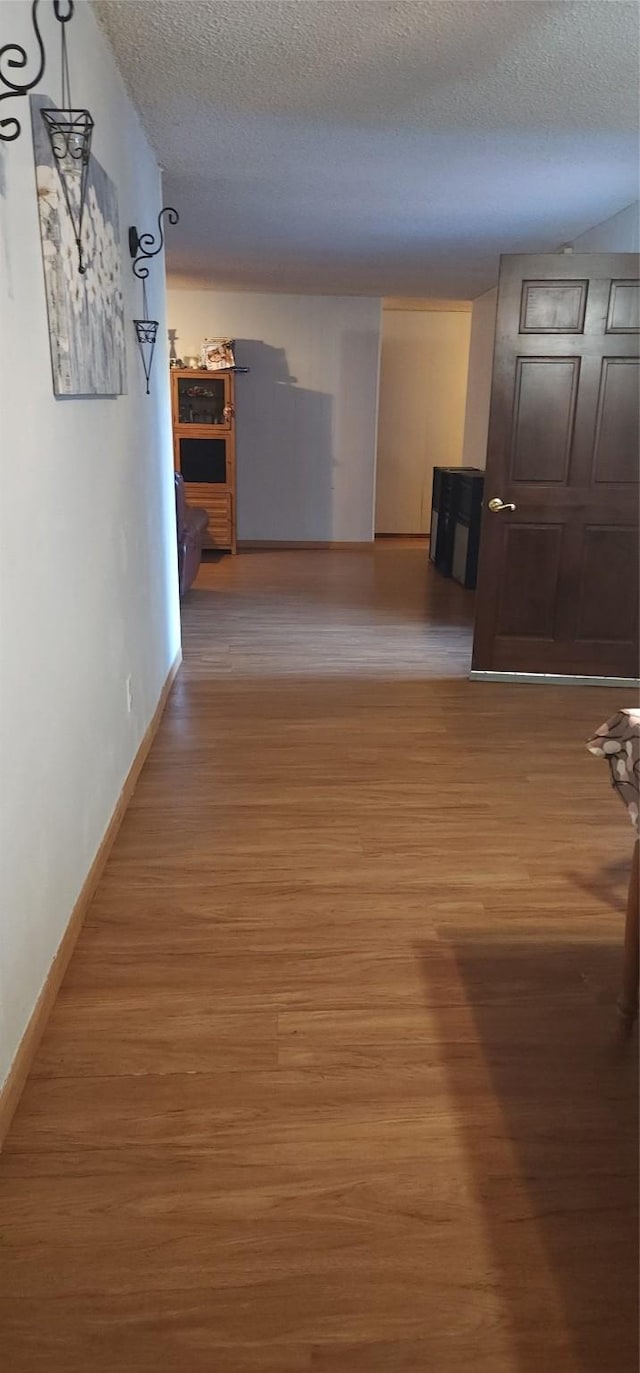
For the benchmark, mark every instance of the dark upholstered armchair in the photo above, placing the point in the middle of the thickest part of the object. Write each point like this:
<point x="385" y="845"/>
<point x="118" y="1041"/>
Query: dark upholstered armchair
<point x="192" y="526"/>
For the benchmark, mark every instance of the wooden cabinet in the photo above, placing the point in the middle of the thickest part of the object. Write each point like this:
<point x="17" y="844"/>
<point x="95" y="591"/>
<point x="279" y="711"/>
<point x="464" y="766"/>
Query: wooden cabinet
<point x="203" y="412"/>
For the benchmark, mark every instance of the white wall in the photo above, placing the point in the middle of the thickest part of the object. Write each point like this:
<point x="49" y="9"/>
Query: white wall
<point x="306" y="413"/>
<point x="619" y="234"/>
<point x="476" y="419"/>
<point x="423" y="379"/>
<point x="88" y="586"/>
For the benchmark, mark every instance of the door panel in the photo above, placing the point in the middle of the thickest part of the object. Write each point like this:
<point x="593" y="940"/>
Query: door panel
<point x="528" y="590"/>
<point x="604" y="593"/>
<point x="543" y="418"/>
<point x="615" y="455"/>
<point x="558" y="576"/>
<point x="624" y="308"/>
<point x="553" y="307"/>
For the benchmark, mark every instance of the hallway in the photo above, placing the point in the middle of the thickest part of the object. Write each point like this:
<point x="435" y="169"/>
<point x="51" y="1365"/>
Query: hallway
<point x="327" y="1088"/>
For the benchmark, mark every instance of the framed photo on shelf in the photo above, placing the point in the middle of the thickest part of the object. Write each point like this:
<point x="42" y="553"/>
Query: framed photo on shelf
<point x="217" y="354"/>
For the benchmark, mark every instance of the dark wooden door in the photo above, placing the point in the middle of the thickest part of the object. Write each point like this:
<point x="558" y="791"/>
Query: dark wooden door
<point x="558" y="575"/>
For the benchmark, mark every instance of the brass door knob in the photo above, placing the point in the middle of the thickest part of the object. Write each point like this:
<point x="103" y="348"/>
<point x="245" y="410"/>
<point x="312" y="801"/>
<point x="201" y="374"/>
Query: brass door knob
<point x="498" y="504"/>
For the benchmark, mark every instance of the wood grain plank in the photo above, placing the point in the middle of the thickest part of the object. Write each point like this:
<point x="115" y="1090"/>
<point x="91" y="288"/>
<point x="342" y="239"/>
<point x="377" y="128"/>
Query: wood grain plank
<point x="327" y="1087"/>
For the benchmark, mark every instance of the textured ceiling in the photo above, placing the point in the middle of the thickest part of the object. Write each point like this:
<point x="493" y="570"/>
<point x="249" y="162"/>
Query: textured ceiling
<point x="381" y="148"/>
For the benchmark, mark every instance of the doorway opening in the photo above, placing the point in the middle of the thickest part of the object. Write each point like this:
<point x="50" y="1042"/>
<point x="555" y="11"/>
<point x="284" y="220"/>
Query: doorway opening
<point x="422" y="494"/>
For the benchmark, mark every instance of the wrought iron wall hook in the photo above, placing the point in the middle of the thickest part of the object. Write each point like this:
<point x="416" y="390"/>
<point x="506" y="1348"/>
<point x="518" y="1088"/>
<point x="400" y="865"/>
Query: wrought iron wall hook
<point x="143" y="246"/>
<point x="13" y="57"/>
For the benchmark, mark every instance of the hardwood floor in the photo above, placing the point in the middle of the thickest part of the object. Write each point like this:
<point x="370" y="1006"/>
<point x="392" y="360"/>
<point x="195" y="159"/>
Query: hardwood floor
<point x="328" y="1086"/>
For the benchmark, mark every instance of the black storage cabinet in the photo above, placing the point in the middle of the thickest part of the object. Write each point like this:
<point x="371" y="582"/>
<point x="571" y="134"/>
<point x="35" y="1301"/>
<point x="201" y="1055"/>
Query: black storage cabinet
<point x="466" y="529"/>
<point x="455" y="522"/>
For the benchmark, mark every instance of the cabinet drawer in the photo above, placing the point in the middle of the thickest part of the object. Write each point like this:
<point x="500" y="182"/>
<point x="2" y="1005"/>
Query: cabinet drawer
<point x="219" y="531"/>
<point x="215" y="501"/>
<point x="218" y="508"/>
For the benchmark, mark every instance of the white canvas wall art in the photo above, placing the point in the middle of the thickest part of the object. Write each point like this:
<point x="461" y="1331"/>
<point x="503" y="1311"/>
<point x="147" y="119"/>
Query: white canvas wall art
<point x="85" y="311"/>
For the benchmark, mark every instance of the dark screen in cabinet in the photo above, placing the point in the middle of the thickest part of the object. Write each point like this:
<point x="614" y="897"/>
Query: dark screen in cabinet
<point x="203" y="460"/>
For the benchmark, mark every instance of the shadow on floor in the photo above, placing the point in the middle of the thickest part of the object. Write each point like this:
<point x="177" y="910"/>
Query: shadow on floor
<point x="610" y="885"/>
<point x="555" y="1159"/>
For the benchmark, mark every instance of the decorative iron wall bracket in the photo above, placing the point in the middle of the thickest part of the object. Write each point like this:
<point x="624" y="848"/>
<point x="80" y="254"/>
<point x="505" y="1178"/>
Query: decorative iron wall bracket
<point x="142" y="247"/>
<point x="69" y="130"/>
<point x="14" y="59"/>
